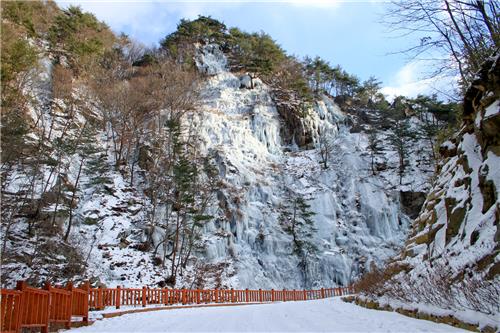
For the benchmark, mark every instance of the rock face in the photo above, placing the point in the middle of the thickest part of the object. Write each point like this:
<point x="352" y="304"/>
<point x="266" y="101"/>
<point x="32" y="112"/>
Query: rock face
<point x="245" y="127"/>
<point x="264" y="155"/>
<point x="458" y="227"/>
<point x="411" y="202"/>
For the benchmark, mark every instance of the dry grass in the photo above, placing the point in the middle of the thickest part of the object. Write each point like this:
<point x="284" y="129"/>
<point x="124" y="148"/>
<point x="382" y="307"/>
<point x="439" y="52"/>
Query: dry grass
<point x="438" y="286"/>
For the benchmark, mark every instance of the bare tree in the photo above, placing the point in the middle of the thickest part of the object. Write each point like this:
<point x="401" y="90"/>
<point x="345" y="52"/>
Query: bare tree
<point x="373" y="147"/>
<point x="325" y="145"/>
<point x="462" y="32"/>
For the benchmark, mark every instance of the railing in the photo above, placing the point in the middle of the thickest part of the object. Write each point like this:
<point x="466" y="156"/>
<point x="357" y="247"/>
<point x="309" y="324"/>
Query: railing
<point x="10" y="310"/>
<point x="100" y="298"/>
<point x="80" y="301"/>
<point x="34" y="310"/>
<point x="59" y="305"/>
<point x="29" y="307"/>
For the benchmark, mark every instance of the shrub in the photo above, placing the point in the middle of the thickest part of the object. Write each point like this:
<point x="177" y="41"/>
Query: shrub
<point x="18" y="57"/>
<point x="79" y="36"/>
<point x="439" y="285"/>
<point x="34" y="16"/>
<point x="61" y="82"/>
<point x="373" y="282"/>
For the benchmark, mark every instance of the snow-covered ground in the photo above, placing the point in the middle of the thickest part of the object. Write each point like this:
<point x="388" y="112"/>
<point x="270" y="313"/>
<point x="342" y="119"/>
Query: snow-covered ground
<point x="326" y="315"/>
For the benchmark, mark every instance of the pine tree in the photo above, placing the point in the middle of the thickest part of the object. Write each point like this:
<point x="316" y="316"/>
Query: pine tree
<point x="297" y="220"/>
<point x="373" y="146"/>
<point x="400" y="138"/>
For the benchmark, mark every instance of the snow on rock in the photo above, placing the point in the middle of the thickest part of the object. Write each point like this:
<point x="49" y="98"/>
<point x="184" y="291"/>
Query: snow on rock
<point x="357" y="220"/>
<point x="454" y="241"/>
<point x="209" y="59"/>
<point x="493" y="109"/>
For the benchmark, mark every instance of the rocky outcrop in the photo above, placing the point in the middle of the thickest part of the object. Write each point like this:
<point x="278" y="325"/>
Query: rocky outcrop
<point x="291" y="110"/>
<point x="411" y="202"/>
<point x="453" y="249"/>
<point x="463" y="206"/>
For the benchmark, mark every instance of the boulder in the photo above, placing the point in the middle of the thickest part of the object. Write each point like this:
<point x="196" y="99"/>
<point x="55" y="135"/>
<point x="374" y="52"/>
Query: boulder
<point x="246" y="82"/>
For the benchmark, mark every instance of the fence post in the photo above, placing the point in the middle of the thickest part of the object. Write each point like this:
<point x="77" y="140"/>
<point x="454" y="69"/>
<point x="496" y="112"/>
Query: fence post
<point x="284" y="295"/>
<point x="144" y="290"/>
<point x="272" y="295"/>
<point x="322" y="293"/>
<point x="69" y="287"/>
<point x="118" y="297"/>
<point x="260" y="295"/>
<point x="47" y="287"/>
<point x="86" y="287"/>
<point x="100" y="298"/>
<point x="21" y="286"/>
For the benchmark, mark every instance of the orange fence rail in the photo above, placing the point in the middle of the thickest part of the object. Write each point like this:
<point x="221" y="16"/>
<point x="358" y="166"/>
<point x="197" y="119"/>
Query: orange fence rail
<point x="29" y="307"/>
<point x="10" y="310"/>
<point x="34" y="309"/>
<point x="100" y="298"/>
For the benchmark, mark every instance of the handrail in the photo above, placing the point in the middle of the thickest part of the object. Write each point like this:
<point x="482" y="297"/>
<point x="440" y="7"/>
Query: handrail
<point x="29" y="307"/>
<point x="10" y="310"/>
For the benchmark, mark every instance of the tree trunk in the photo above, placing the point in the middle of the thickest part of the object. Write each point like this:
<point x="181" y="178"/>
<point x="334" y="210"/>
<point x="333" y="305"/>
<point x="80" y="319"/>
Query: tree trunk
<point x="72" y="202"/>
<point x="464" y="40"/>
<point x="175" y="246"/>
<point x="401" y="167"/>
<point x="494" y="35"/>
<point x="373" y="169"/>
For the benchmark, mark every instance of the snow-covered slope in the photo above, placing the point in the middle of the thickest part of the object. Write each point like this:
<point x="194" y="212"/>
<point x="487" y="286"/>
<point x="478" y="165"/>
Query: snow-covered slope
<point x="451" y="259"/>
<point x="459" y="224"/>
<point x="357" y="221"/>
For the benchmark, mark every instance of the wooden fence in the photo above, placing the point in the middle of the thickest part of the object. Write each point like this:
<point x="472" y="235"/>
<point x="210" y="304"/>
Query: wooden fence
<point x="28" y="307"/>
<point x="100" y="298"/>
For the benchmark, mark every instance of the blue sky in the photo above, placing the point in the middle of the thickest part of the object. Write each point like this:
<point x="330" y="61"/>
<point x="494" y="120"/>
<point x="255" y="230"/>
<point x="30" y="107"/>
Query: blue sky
<point x="348" y="33"/>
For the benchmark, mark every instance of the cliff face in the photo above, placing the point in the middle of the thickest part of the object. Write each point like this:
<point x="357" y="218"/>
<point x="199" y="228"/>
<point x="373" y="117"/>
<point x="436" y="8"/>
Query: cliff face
<point x="450" y="263"/>
<point x="358" y="217"/>
<point x="459" y="224"/>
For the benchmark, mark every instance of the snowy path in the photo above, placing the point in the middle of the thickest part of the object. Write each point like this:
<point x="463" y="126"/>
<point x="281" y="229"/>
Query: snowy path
<point x="327" y="315"/>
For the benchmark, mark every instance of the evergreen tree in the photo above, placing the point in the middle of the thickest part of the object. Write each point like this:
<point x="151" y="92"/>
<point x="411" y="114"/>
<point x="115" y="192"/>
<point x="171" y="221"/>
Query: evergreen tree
<point x="257" y="53"/>
<point x="373" y="147"/>
<point x="401" y="137"/>
<point x="297" y="220"/>
<point x="79" y="36"/>
<point x="367" y="92"/>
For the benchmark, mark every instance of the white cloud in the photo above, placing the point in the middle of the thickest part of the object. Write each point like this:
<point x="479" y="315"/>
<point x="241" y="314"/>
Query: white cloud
<point x="411" y="80"/>
<point x="145" y="20"/>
